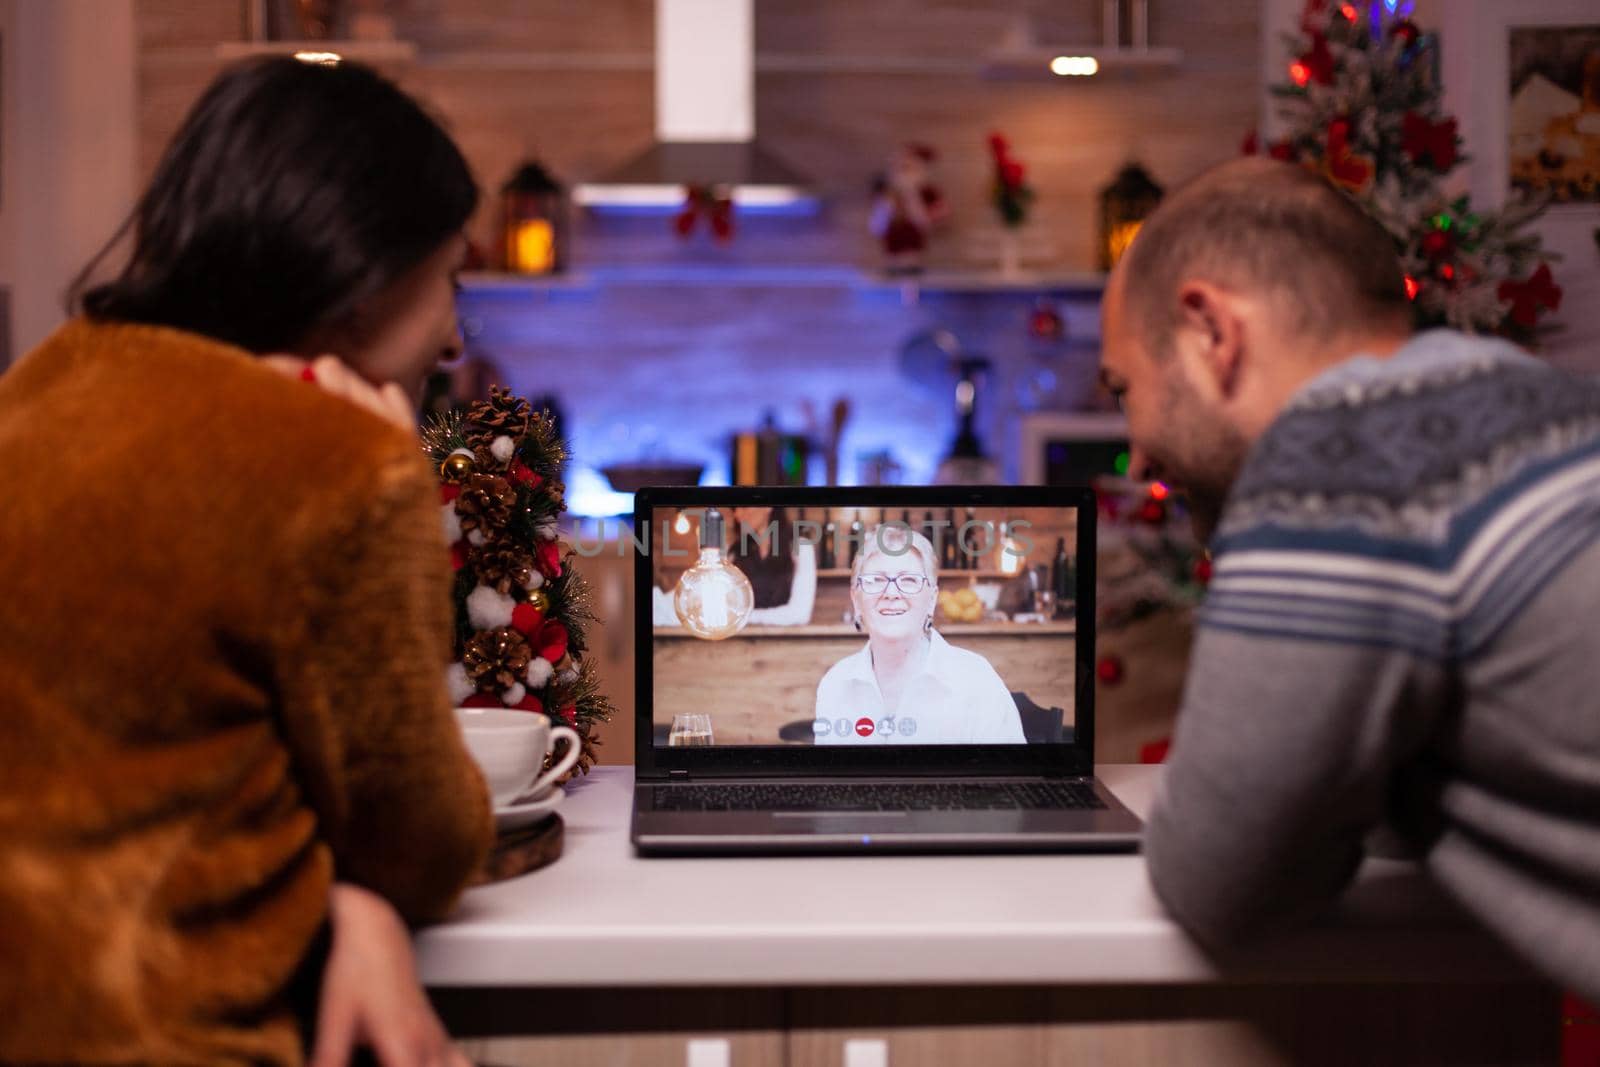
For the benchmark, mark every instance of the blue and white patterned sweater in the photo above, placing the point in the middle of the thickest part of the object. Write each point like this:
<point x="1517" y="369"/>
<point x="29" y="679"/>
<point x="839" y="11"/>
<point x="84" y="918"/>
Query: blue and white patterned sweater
<point x="1401" y="630"/>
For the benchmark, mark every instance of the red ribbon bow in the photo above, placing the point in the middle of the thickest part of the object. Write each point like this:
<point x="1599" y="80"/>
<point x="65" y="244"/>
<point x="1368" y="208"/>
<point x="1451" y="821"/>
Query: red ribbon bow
<point x="1527" y="298"/>
<point x="1435" y="141"/>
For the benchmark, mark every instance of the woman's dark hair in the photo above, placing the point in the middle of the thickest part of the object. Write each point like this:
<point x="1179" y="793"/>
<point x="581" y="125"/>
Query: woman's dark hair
<point x="292" y="192"/>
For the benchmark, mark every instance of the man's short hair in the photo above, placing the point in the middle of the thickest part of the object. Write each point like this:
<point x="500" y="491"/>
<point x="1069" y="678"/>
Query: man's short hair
<point x="1271" y="229"/>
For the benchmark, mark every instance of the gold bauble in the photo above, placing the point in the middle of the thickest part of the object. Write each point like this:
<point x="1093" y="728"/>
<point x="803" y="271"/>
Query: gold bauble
<point x="539" y="600"/>
<point x="456" y="465"/>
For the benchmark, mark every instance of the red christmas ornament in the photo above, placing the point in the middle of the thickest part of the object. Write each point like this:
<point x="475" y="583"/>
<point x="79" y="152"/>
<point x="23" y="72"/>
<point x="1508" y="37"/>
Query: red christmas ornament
<point x="1527" y="298"/>
<point x="1422" y="139"/>
<point x="528" y="703"/>
<point x="1109" y="670"/>
<point x="547" y="558"/>
<point x="458" y="555"/>
<point x="1154" y="512"/>
<point x="1406" y="31"/>
<point x="1438" y="244"/>
<point x="551" y="644"/>
<point x="521" y="472"/>
<point x="1202" y="570"/>
<point x="448" y="492"/>
<point x="1045" y="322"/>
<point x="525" y="619"/>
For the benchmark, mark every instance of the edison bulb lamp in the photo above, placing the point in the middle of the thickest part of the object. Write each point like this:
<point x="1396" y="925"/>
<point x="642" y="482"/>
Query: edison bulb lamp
<point x="713" y="599"/>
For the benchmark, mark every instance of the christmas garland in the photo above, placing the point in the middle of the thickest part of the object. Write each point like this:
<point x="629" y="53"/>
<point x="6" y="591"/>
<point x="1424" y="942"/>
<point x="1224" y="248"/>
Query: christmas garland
<point x="1363" y="104"/>
<point x="521" y="608"/>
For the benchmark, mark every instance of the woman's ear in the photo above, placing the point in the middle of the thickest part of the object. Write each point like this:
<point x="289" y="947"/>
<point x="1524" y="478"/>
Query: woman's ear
<point x="1212" y="324"/>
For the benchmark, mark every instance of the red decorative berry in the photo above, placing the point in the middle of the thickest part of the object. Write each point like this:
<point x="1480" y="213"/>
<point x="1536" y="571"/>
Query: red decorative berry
<point x="1109" y="670"/>
<point x="1154" y="512"/>
<point x="551" y="644"/>
<point x="1438" y="244"/>
<point x="520" y="472"/>
<point x="569" y="714"/>
<point x="525" y="619"/>
<point x="1202" y="570"/>
<point x="548" y="559"/>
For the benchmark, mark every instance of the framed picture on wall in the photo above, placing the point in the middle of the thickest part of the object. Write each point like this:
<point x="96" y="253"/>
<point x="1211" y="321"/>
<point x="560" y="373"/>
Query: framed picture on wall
<point x="1527" y="86"/>
<point x="1553" y="114"/>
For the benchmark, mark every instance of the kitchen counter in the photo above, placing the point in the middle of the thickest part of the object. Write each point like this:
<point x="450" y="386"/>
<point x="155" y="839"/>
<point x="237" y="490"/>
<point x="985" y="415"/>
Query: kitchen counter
<point x="996" y="960"/>
<point x="603" y="916"/>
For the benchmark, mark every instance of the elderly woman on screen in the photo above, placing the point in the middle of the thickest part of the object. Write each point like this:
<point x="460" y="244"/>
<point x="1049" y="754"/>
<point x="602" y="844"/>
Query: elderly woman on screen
<point x="908" y="685"/>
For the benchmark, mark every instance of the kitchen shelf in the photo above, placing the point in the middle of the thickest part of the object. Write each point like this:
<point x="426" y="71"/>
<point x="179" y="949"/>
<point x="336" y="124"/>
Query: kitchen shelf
<point x="781" y="276"/>
<point x="360" y="51"/>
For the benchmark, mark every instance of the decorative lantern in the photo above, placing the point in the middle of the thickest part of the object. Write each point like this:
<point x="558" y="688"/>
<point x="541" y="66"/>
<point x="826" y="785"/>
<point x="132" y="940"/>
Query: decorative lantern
<point x="1124" y="205"/>
<point x="535" y="222"/>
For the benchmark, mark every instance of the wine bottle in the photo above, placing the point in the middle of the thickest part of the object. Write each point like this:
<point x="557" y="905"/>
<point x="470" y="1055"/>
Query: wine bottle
<point x="857" y="535"/>
<point x="949" y="557"/>
<point x="1063" y="580"/>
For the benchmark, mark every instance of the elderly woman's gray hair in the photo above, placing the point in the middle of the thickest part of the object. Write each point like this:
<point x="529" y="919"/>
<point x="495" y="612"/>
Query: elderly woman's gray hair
<point x="898" y="540"/>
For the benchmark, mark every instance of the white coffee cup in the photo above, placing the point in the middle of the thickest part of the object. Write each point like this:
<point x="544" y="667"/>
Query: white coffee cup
<point x="510" y="748"/>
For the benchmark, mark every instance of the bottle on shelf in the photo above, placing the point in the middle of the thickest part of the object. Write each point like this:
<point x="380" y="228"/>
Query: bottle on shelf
<point x="1063" y="579"/>
<point x="826" y="559"/>
<point x="968" y="546"/>
<point x="857" y="533"/>
<point x="949" y="557"/>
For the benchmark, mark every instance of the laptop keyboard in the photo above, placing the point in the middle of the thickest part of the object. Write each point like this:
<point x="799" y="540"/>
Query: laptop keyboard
<point x="932" y="796"/>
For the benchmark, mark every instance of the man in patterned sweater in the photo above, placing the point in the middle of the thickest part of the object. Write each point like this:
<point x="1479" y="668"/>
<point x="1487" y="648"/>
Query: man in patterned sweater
<point x="1406" y="547"/>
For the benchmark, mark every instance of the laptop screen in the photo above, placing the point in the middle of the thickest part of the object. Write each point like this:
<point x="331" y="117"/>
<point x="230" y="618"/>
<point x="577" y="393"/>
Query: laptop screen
<point x="858" y="626"/>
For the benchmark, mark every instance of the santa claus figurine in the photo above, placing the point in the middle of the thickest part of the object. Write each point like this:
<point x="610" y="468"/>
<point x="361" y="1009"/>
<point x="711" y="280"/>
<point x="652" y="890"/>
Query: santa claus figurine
<point x="906" y="205"/>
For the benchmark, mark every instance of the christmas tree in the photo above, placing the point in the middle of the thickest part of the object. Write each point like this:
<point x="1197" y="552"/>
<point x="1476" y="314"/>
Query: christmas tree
<point x="1363" y="107"/>
<point x="521" y="608"/>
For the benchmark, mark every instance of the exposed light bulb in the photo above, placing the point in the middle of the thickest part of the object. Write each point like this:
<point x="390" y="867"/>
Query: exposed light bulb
<point x="682" y="525"/>
<point x="713" y="599"/>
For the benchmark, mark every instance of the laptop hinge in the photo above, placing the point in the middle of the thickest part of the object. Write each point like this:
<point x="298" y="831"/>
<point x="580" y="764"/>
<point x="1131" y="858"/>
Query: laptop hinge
<point x="677" y="776"/>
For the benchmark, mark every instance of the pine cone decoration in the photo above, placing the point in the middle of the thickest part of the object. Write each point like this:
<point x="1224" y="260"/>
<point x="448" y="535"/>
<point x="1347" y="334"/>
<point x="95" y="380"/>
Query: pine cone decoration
<point x="503" y="413"/>
<point x="485" y="503"/>
<point x="504" y="565"/>
<point x="496" y="659"/>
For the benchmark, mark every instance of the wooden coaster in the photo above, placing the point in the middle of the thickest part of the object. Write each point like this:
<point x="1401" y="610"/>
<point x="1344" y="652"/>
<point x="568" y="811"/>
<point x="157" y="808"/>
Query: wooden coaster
<point x="520" y="851"/>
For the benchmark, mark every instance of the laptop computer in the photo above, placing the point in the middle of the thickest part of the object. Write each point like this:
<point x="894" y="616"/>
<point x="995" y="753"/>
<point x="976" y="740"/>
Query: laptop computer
<point x="867" y="669"/>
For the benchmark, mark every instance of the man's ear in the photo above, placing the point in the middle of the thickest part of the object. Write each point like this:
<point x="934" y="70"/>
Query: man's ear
<point x="1215" y="329"/>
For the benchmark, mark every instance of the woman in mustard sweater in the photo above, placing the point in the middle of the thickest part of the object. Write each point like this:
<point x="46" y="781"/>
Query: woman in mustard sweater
<point x="226" y="610"/>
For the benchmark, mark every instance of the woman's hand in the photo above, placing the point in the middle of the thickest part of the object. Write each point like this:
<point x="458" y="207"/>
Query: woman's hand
<point x="370" y="993"/>
<point x="333" y="375"/>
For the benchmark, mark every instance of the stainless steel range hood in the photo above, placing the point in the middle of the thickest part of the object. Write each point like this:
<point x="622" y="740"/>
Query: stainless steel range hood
<point x="705" y="119"/>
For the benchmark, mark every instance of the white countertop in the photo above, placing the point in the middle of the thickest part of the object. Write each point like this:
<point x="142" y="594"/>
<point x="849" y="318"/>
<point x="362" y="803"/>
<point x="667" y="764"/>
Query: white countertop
<point x="602" y="916"/>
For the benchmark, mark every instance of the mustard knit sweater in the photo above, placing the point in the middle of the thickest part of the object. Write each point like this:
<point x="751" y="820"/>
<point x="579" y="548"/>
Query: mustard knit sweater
<point x="224" y="618"/>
